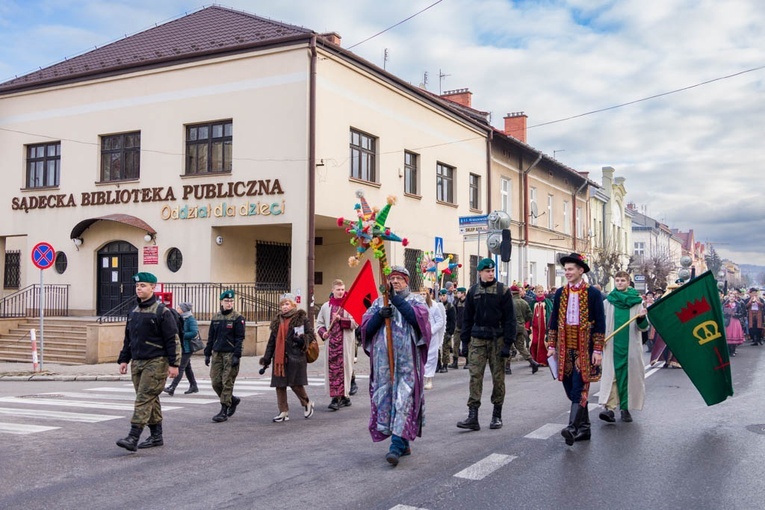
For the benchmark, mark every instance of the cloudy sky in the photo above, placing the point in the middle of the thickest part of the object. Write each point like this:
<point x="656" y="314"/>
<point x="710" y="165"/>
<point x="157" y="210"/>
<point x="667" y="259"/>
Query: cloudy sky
<point x="692" y="158"/>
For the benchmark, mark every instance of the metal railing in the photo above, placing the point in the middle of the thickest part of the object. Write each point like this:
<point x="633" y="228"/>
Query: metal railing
<point x="255" y="301"/>
<point x="26" y="302"/>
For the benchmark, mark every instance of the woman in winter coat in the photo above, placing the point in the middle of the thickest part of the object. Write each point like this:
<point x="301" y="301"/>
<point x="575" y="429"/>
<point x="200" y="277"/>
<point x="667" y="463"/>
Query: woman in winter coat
<point x="190" y="331"/>
<point x="291" y="332"/>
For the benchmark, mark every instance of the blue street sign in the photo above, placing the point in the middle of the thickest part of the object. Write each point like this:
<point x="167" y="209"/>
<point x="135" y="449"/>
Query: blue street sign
<point x="439" y="251"/>
<point x="43" y="255"/>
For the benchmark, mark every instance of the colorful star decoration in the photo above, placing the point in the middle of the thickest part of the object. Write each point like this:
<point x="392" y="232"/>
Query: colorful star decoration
<point x="433" y="270"/>
<point x="369" y="231"/>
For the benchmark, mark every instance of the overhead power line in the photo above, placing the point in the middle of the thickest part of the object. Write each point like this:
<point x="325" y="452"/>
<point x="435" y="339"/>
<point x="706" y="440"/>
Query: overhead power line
<point x="397" y="24"/>
<point x="649" y="97"/>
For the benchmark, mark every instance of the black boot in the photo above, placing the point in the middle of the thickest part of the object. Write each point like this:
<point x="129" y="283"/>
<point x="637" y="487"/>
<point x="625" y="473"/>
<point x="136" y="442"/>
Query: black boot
<point x="234" y="403"/>
<point x="130" y="443"/>
<point x="222" y="415"/>
<point x="155" y="439"/>
<point x="508" y="370"/>
<point x="354" y="386"/>
<point x="192" y="389"/>
<point x="570" y="431"/>
<point x="534" y="365"/>
<point x="170" y="390"/>
<point x="583" y="428"/>
<point x="335" y="404"/>
<point x="496" y="418"/>
<point x="472" y="420"/>
<point x="454" y="362"/>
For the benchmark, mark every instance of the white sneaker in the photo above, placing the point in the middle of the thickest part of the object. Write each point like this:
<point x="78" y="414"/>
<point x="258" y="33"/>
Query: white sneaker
<point x="283" y="416"/>
<point x="428" y="383"/>
<point x="308" y="412"/>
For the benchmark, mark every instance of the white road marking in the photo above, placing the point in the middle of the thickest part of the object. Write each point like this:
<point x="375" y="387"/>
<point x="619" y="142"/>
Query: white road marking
<point x="407" y="507"/>
<point x="546" y="431"/>
<point x="58" y="415"/>
<point x="18" y="428"/>
<point x="76" y="403"/>
<point x="131" y="398"/>
<point x="202" y="393"/>
<point x="485" y="467"/>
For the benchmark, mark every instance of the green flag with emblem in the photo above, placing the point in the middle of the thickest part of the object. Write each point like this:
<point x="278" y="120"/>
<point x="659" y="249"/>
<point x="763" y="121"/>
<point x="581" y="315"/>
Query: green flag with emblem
<point x="690" y="320"/>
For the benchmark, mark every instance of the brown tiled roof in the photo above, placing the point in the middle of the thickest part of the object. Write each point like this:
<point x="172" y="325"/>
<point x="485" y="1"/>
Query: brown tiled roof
<point x="206" y="32"/>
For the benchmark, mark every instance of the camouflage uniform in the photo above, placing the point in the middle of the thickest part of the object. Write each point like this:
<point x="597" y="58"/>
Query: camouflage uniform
<point x="223" y="376"/>
<point x="149" y="377"/>
<point x="446" y="346"/>
<point x="523" y="315"/>
<point x="224" y="343"/>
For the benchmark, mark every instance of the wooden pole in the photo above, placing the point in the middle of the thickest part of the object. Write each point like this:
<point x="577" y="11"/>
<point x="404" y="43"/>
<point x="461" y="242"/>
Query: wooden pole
<point x="609" y="337"/>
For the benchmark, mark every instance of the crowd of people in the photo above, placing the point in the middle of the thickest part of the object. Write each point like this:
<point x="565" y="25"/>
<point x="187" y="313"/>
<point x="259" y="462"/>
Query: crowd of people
<point x="578" y="330"/>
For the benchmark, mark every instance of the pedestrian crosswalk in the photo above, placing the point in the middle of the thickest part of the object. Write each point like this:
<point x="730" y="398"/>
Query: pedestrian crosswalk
<point x="20" y="415"/>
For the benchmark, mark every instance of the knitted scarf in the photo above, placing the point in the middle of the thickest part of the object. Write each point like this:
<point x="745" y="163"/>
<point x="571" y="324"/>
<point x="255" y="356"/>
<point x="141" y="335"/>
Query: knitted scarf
<point x="281" y="341"/>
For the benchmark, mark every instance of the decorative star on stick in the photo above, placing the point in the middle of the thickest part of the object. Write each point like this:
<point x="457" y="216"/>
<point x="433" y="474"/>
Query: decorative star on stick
<point x="368" y="230"/>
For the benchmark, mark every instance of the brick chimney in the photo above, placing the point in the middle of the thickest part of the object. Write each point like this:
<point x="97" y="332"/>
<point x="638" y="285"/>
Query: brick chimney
<point x="515" y="125"/>
<point x="332" y="37"/>
<point x="460" y="96"/>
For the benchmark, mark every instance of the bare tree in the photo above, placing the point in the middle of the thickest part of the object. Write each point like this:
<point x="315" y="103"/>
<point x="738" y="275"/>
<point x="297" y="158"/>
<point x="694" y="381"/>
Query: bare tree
<point x="656" y="268"/>
<point x="605" y="263"/>
<point x="713" y="260"/>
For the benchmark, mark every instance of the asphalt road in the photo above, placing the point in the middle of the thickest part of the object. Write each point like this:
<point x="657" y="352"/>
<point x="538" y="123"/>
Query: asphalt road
<point x="678" y="453"/>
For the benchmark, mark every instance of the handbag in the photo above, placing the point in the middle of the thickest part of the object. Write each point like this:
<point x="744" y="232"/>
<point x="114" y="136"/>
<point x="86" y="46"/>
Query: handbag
<point x="196" y="343"/>
<point x="312" y="351"/>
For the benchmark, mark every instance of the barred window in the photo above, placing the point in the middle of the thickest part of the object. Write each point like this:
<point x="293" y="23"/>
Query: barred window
<point x="121" y="157"/>
<point x="363" y="156"/>
<point x="12" y="278"/>
<point x="43" y="165"/>
<point x="209" y="147"/>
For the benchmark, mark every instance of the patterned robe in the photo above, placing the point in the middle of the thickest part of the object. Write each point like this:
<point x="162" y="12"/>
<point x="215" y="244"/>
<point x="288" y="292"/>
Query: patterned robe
<point x="397" y="406"/>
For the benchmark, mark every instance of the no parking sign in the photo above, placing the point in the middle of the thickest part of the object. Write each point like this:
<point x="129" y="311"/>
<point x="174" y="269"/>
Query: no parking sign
<point x="43" y="255"/>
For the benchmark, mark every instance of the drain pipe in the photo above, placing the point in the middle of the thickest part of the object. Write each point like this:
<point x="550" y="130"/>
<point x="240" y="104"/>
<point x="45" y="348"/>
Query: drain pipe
<point x="525" y="185"/>
<point x="573" y="200"/>
<point x="311" y="263"/>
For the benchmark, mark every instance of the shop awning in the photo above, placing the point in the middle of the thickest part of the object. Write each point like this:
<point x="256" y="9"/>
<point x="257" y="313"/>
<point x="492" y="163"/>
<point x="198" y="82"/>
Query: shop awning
<point x="125" y="219"/>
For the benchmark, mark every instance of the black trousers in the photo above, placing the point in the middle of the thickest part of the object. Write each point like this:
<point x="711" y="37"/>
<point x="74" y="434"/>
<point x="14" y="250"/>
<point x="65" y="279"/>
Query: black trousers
<point x="185" y="367"/>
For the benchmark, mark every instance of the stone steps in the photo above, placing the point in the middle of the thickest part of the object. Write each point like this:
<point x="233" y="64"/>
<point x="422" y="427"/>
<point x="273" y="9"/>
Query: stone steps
<point x="65" y="341"/>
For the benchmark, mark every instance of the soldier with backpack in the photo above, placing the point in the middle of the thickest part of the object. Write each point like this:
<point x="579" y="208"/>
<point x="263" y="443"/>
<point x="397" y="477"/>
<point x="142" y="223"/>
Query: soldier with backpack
<point x="152" y="348"/>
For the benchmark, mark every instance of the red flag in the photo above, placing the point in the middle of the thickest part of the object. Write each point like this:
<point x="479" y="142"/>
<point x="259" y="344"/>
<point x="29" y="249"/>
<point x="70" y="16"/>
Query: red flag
<point x="362" y="293"/>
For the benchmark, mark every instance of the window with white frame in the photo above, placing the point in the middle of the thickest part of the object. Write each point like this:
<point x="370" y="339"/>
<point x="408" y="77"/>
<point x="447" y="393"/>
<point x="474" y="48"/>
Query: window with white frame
<point x="533" y="205"/>
<point x="566" y="223"/>
<point x="639" y="249"/>
<point x="550" y="223"/>
<point x="579" y="224"/>
<point x="505" y="194"/>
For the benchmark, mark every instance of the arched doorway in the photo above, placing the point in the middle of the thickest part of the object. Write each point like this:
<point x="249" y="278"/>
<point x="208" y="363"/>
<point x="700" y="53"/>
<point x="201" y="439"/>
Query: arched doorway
<point x="117" y="263"/>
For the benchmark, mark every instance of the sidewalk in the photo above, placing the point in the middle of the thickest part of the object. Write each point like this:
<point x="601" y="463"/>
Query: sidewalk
<point x="248" y="369"/>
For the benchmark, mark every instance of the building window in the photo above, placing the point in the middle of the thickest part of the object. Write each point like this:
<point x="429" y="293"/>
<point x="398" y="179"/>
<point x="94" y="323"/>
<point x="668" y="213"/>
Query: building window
<point x="12" y="279"/>
<point x="61" y="262"/>
<point x="444" y="183"/>
<point x="273" y="265"/>
<point x="43" y="165"/>
<point x="579" y="225"/>
<point x="533" y="205"/>
<point x="566" y="223"/>
<point x="363" y="156"/>
<point x="412" y="259"/>
<point x="411" y="174"/>
<point x="505" y="194"/>
<point x="209" y="147"/>
<point x="639" y="249"/>
<point x="550" y="223"/>
<point x="475" y="191"/>
<point x="174" y="259"/>
<point x="121" y="157"/>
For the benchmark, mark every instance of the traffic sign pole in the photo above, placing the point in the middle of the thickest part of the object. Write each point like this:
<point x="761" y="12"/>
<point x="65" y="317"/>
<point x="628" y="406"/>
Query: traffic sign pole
<point x="43" y="256"/>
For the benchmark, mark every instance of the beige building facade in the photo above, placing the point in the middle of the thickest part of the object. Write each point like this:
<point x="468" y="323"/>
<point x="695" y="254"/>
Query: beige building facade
<point x="225" y="165"/>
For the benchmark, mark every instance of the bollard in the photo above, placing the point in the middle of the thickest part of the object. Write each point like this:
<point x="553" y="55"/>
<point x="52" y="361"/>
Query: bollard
<point x="35" y="366"/>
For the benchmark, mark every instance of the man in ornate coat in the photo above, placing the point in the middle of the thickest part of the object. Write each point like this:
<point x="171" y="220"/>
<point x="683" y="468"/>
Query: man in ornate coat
<point x="575" y="339"/>
<point x="397" y="400"/>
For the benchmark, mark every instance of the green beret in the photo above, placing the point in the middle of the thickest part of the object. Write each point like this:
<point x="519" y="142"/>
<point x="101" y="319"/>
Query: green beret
<point x="461" y="289"/>
<point x="443" y="291"/>
<point x="485" y="264"/>
<point x="144" y="277"/>
<point x="227" y="294"/>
